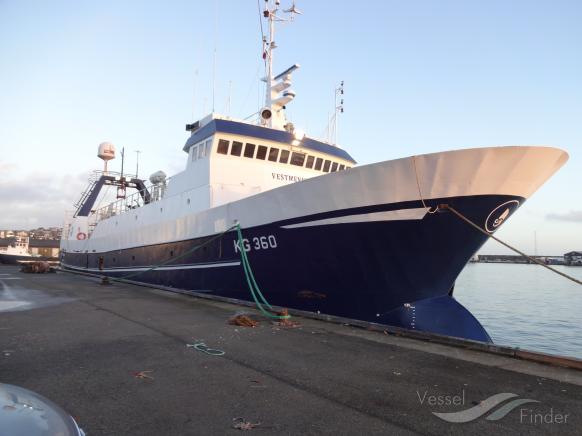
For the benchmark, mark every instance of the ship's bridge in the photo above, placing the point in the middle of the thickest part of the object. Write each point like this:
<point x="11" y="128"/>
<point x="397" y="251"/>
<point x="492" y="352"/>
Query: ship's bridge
<point x="227" y="160"/>
<point x="236" y="159"/>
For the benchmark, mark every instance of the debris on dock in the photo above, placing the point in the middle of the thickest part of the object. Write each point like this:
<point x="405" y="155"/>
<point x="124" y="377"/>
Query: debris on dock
<point x="241" y="424"/>
<point x="242" y="320"/>
<point x="37" y="267"/>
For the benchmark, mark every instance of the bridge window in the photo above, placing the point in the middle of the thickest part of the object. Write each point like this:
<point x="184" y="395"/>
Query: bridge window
<point x="334" y="167"/>
<point x="309" y="163"/>
<point x="284" y="158"/>
<point x="201" y="150"/>
<point x="318" y="163"/>
<point x="261" y="152"/>
<point x="326" y="165"/>
<point x="194" y="153"/>
<point x="297" y="159"/>
<point x="273" y="153"/>
<point x="223" y="146"/>
<point x="249" y="150"/>
<point x="236" y="148"/>
<point x="208" y="147"/>
<point x="342" y="167"/>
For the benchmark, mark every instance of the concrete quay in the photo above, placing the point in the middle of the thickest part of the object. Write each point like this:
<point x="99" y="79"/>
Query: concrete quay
<point x="117" y="359"/>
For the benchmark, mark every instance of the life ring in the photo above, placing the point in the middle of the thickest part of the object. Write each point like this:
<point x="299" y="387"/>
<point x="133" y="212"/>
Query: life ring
<point x="81" y="236"/>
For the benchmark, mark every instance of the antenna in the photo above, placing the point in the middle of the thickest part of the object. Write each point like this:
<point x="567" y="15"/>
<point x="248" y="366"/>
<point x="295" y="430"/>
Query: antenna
<point x="213" y="78"/>
<point x="137" y="152"/>
<point x="121" y="186"/>
<point x="214" y="55"/>
<point x="292" y="11"/>
<point x="122" y="159"/>
<point x="338" y="109"/>
<point x="228" y="98"/>
<point x="194" y="95"/>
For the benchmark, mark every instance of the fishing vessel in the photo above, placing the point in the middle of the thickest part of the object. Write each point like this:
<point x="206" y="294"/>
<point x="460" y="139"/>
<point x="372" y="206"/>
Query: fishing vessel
<point x="375" y="242"/>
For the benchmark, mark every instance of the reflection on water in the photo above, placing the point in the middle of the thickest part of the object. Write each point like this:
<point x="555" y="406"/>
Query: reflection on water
<point x="525" y="306"/>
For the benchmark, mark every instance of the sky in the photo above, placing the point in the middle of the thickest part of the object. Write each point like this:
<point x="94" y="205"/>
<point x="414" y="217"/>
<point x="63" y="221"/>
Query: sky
<point x="420" y="76"/>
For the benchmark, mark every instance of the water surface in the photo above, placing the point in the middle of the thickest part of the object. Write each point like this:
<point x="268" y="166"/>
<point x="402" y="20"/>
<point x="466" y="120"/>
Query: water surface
<point x="525" y="306"/>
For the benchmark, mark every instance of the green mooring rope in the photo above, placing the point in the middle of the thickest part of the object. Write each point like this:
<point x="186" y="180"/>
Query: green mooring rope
<point x="197" y="247"/>
<point x="253" y="286"/>
<point x="250" y="277"/>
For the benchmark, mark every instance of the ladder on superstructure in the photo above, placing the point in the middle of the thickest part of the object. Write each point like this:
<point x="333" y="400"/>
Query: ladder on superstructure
<point x="88" y="190"/>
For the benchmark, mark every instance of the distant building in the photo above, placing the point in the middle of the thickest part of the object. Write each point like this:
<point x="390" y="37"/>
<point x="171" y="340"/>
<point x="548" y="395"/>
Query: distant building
<point x="44" y="247"/>
<point x="41" y="247"/>
<point x="573" y="258"/>
<point x="502" y="258"/>
<point x="510" y="258"/>
<point x="42" y="233"/>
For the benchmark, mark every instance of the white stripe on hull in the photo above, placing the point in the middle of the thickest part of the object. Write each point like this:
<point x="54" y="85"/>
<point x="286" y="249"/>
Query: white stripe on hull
<point x="391" y="215"/>
<point x="154" y="268"/>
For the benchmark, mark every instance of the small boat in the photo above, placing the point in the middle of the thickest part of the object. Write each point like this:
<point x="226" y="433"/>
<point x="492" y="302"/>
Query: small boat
<point x="17" y="251"/>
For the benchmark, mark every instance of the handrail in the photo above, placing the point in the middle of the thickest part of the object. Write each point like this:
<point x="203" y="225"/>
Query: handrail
<point x="131" y="202"/>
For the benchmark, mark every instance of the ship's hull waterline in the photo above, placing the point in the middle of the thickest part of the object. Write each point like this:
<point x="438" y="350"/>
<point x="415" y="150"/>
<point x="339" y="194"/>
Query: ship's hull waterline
<point x="361" y="244"/>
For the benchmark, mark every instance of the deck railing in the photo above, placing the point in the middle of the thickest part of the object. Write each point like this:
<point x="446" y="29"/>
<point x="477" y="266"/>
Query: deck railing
<point x="131" y="202"/>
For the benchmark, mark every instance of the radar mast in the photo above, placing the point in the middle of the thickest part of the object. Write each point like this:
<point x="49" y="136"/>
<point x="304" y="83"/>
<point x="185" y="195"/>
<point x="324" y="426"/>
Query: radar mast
<point x="277" y="92"/>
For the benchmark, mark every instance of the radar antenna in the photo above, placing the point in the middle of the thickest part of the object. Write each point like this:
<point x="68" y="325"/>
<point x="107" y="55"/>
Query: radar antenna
<point x="293" y="11"/>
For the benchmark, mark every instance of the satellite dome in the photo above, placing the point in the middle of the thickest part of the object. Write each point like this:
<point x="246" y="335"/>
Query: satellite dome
<point x="106" y="151"/>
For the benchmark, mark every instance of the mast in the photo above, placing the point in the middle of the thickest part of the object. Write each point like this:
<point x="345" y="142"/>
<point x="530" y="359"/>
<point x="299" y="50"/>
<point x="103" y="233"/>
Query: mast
<point x="273" y="113"/>
<point x="268" y="46"/>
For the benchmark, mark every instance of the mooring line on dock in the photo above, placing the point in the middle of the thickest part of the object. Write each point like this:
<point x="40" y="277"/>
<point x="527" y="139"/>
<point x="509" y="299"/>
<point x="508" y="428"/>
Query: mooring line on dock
<point x="252" y="283"/>
<point x="258" y="297"/>
<point x="521" y="253"/>
<point x="197" y="247"/>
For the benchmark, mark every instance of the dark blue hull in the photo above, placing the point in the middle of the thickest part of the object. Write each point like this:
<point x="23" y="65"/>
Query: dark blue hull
<point x="373" y="271"/>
